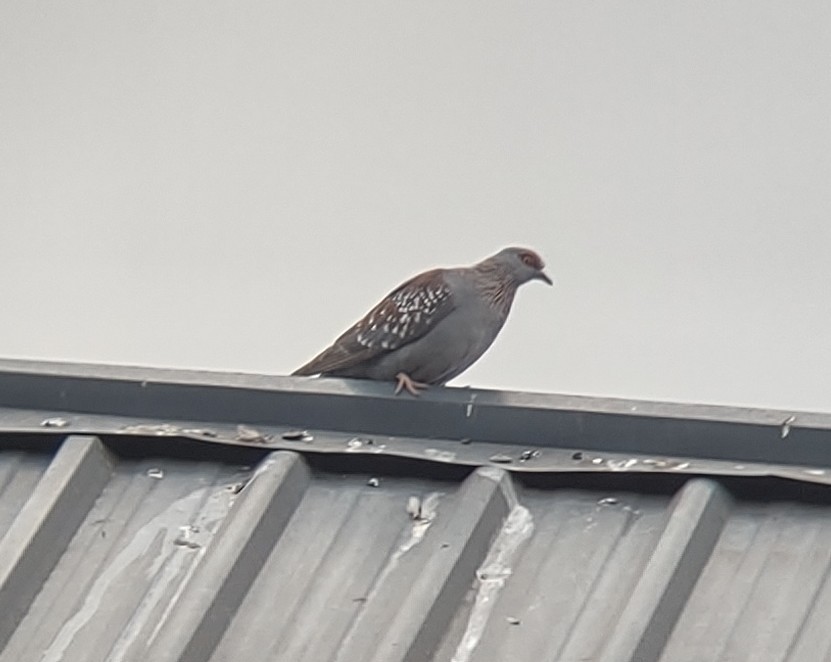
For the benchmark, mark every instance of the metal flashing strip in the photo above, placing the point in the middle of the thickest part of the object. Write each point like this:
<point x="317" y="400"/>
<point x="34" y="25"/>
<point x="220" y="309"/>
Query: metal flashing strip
<point x="528" y="458"/>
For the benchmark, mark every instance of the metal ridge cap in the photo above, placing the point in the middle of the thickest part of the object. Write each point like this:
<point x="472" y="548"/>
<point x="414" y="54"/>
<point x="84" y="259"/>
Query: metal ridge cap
<point x="361" y="407"/>
<point x="447" y="395"/>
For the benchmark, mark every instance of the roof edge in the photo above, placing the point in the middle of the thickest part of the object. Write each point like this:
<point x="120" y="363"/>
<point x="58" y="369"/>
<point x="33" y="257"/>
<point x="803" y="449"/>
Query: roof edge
<point x="555" y="420"/>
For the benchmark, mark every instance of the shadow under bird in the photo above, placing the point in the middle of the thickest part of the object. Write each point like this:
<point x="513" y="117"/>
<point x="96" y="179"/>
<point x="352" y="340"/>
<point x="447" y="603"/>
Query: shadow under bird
<point x="432" y="327"/>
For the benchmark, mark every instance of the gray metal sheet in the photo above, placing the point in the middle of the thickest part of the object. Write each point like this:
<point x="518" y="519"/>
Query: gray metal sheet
<point x="128" y="557"/>
<point x="155" y="540"/>
<point x="213" y="560"/>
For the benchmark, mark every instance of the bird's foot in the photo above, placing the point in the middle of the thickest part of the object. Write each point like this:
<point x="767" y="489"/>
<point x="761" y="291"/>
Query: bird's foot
<point x="405" y="382"/>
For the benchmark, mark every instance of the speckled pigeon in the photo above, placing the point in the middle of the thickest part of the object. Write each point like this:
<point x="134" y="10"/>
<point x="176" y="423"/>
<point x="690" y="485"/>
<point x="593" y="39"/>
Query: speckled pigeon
<point x="432" y="327"/>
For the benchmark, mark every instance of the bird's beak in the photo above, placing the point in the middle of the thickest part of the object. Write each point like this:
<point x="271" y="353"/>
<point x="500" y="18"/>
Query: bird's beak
<point x="541" y="275"/>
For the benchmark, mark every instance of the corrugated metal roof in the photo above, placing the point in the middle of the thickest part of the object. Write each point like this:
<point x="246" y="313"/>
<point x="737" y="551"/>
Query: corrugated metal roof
<point x="139" y="522"/>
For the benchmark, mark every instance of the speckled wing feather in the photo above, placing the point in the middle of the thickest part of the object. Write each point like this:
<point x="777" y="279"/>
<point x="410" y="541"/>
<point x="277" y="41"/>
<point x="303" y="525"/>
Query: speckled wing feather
<point x="404" y="315"/>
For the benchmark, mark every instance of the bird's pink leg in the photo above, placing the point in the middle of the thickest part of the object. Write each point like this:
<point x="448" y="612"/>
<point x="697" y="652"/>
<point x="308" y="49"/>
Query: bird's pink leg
<point x="405" y="382"/>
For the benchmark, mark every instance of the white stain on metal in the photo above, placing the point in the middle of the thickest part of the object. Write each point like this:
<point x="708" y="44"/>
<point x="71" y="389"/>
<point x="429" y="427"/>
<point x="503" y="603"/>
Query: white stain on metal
<point x="54" y="422"/>
<point x="160" y="429"/>
<point x="491" y="473"/>
<point x="414" y="507"/>
<point x="658" y="464"/>
<point x="356" y="444"/>
<point x="492" y="575"/>
<point x="440" y="456"/>
<point x="427" y="511"/>
<point x="621" y="465"/>
<point x="422" y="513"/>
<point x="469" y="407"/>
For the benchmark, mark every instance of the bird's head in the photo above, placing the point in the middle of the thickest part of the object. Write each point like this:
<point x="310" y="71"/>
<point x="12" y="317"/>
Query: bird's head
<point x="522" y="265"/>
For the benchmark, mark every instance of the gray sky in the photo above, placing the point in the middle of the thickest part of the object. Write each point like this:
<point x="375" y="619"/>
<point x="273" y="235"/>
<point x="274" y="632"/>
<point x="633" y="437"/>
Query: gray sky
<point x="228" y="185"/>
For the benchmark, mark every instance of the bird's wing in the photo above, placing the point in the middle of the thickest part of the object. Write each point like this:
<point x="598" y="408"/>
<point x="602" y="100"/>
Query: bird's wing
<point x="404" y="315"/>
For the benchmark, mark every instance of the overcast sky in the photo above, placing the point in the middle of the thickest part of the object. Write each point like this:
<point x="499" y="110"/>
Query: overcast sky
<point x="229" y="185"/>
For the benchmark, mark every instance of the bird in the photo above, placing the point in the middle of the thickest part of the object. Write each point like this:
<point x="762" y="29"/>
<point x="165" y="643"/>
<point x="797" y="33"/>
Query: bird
<point x="432" y="327"/>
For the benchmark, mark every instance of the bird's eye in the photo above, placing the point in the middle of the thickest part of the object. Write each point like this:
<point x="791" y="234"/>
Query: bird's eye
<point x="528" y="260"/>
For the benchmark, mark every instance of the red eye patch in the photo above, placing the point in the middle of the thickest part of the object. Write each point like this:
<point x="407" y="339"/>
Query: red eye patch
<point x="532" y="260"/>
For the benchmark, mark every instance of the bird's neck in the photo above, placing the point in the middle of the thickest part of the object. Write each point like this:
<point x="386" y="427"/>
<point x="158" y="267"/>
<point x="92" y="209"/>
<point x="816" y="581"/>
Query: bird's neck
<point x="496" y="285"/>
